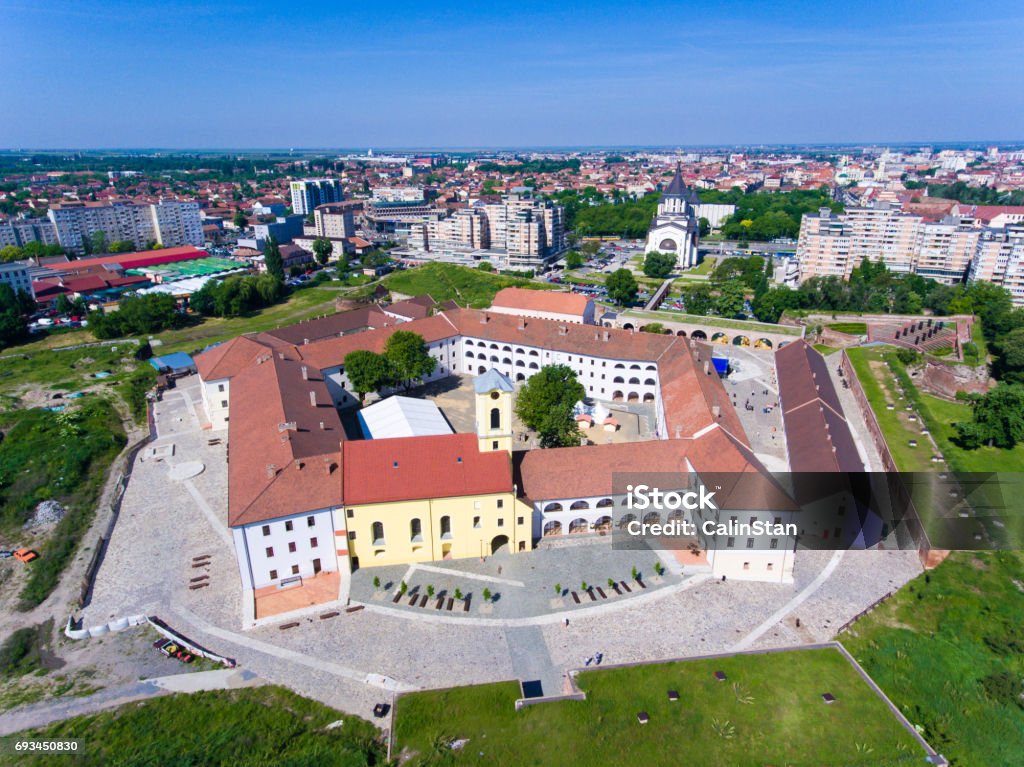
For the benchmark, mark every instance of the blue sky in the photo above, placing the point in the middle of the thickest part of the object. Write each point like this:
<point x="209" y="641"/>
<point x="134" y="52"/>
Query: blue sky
<point x="417" y="74"/>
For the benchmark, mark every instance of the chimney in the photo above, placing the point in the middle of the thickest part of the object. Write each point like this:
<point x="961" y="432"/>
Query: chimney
<point x="312" y="399"/>
<point x="299" y="464"/>
<point x="305" y="341"/>
<point x="271" y="471"/>
<point x="679" y="432"/>
<point x="281" y="355"/>
<point x="305" y="373"/>
<point x="563" y="330"/>
<point x="521" y="324"/>
<point x="693" y="343"/>
<point x="707" y="368"/>
<point x="483" y="318"/>
<point x="716" y="411"/>
<point x="607" y="335"/>
<point x="322" y="426"/>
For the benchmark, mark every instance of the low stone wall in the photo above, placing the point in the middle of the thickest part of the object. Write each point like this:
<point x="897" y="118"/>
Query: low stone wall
<point x="888" y="463"/>
<point x="838" y="340"/>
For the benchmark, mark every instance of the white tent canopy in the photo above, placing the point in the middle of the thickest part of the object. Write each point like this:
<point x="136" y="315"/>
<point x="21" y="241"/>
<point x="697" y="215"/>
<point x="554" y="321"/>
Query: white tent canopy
<point x="402" y="417"/>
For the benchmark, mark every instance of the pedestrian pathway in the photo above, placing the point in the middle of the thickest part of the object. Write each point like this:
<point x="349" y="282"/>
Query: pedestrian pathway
<point x="532" y="662"/>
<point x="748" y="641"/>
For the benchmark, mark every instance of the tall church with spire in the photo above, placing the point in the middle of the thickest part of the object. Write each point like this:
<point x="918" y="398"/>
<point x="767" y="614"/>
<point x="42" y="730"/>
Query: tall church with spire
<point x="674" y="228"/>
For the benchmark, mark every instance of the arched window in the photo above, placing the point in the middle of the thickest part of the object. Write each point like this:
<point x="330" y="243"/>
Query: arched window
<point x="469" y="355"/>
<point x="378" y="533"/>
<point x="618" y="379"/>
<point x="634" y="381"/>
<point x="446" y="527"/>
<point x="648" y="382"/>
<point x="415" y="530"/>
<point x="495" y="418"/>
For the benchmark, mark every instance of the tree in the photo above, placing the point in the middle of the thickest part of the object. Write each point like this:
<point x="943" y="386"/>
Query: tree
<point x="659" y="265"/>
<point x="591" y="247"/>
<point x="622" y="288"/>
<point x="15" y="307"/>
<point x="1010" y="365"/>
<point x="273" y="260"/>
<point x="545" y="404"/>
<point x="408" y="357"/>
<point x="367" y="372"/>
<point x="654" y="327"/>
<point x="998" y="419"/>
<point x="98" y="242"/>
<point x="485" y="266"/>
<point x="121" y="246"/>
<point x="239" y="220"/>
<point x="322" y="249"/>
<point x="729" y="302"/>
<point x="63" y="305"/>
<point x="137" y="315"/>
<point x="770" y="305"/>
<point x="573" y="259"/>
<point x="697" y="300"/>
<point x="703" y="227"/>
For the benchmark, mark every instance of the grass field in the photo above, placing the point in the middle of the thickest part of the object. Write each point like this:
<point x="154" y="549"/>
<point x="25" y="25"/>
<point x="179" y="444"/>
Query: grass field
<point x="947" y="649"/>
<point x="301" y="305"/>
<point x="825" y="349"/>
<point x="768" y="712"/>
<point x="446" y="282"/>
<point x="878" y="370"/>
<point x="256" y="726"/>
<point x="59" y="456"/>
<point x="852" y="328"/>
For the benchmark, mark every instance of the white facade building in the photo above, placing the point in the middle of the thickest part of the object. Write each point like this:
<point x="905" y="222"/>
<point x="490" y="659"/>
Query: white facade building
<point x="674" y="228"/>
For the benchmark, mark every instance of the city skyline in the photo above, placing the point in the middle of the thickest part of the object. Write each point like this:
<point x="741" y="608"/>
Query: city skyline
<point x="541" y="76"/>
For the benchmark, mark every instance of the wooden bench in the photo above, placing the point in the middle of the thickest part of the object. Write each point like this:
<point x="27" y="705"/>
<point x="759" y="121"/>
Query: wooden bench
<point x="286" y="626"/>
<point x="592" y="595"/>
<point x="423" y="600"/>
<point x="451" y="604"/>
<point x="465" y="604"/>
<point x="195" y="586"/>
<point x="641" y="584"/>
<point x="626" y="587"/>
<point x="575" y="597"/>
<point x="440" y="603"/>
<point x="325" y="616"/>
<point x="199" y="578"/>
<point x="398" y="596"/>
<point x="354" y="608"/>
<point x="601" y="592"/>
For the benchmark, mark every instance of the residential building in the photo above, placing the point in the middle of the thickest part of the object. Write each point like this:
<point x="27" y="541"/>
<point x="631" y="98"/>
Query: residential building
<point x="169" y="223"/>
<point x="529" y="232"/>
<point x="333" y="221"/>
<point x="21" y="231"/>
<point x="308" y="193"/>
<point x="19" y="275"/>
<point x="999" y="258"/>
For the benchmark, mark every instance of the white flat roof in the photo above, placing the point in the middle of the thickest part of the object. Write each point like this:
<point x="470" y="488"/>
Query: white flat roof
<point x="403" y="417"/>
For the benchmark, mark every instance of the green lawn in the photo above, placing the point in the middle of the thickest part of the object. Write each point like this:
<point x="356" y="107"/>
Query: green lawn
<point x="939" y="649"/>
<point x="706" y="266"/>
<point x="768" y="712"/>
<point x="825" y="349"/>
<point x="259" y="726"/>
<point x="301" y="305"/>
<point x="853" y="328"/>
<point x="444" y="282"/>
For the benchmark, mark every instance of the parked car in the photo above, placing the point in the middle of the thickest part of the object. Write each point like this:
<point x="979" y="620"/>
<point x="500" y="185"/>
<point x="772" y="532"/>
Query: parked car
<point x="6" y="554"/>
<point x="25" y="555"/>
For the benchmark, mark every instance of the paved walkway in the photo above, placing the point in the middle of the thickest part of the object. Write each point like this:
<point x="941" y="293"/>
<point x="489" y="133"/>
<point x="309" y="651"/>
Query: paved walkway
<point x="42" y="714"/>
<point x="531" y="661"/>
<point x="748" y="641"/>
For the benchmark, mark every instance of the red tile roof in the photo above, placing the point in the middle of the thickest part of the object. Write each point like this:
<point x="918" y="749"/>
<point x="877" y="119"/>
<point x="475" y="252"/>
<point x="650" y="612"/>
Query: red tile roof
<point x="134" y="260"/>
<point x="408" y="468"/>
<point x="541" y="301"/>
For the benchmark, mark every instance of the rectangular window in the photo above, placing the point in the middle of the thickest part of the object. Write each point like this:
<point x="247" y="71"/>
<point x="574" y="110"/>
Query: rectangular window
<point x="750" y="543"/>
<point x="223" y="403"/>
<point x="476" y="521"/>
<point x="351" y="535"/>
<point x="770" y="568"/>
<point x="733" y="520"/>
<point x="295" y="569"/>
<point x="220" y="387"/>
<point x="494" y="446"/>
<point x="476" y="505"/>
<point x="774" y="544"/>
<point x="778" y="520"/>
<point x="312" y="543"/>
<point x="746" y="565"/>
<point x="501" y="522"/>
<point x="729" y="542"/>
<point x="273" y="575"/>
<point x="269" y="551"/>
<point x="266" y="530"/>
<point x="310" y="521"/>
<point x="501" y="503"/>
<point x="753" y="520"/>
<point x="519" y="520"/>
<point x="350" y="513"/>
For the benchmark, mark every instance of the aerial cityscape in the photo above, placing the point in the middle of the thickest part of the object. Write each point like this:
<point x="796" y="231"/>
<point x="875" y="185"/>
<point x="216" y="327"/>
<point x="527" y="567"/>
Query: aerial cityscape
<point x="580" y="402"/>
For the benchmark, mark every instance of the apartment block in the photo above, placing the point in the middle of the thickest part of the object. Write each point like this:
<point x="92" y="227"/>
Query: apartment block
<point x="999" y="258"/>
<point x="20" y="232"/>
<point x="333" y="221"/>
<point x="169" y="223"/>
<point x="308" y="193"/>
